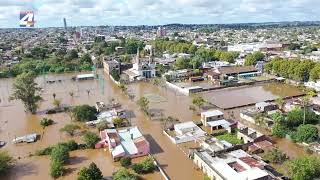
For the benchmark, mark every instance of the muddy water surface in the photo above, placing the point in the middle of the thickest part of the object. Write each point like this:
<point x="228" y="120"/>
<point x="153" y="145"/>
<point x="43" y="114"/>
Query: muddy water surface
<point x="15" y="122"/>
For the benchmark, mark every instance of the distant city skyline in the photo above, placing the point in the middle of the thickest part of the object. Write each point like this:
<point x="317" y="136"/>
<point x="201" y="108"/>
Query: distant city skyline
<point x="49" y="13"/>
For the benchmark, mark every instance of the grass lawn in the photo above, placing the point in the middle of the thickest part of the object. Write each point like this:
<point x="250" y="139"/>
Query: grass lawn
<point x="231" y="138"/>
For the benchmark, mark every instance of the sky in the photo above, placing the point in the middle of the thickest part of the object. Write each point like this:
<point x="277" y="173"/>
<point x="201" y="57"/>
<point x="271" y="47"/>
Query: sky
<point x="49" y="13"/>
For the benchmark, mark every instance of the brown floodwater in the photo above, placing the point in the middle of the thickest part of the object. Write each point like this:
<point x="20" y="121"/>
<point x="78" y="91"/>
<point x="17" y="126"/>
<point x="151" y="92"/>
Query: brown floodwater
<point x="241" y="96"/>
<point x="172" y="158"/>
<point x="15" y="122"/>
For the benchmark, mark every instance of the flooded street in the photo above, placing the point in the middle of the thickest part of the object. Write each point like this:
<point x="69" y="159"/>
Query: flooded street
<point x="173" y="159"/>
<point x="14" y="122"/>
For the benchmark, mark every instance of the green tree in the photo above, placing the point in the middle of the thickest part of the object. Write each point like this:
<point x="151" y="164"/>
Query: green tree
<point x="275" y="156"/>
<point x="198" y="101"/>
<point x="143" y="103"/>
<point x="304" y="168"/>
<point x="86" y="59"/>
<point x="60" y="153"/>
<point x="26" y="89"/>
<point x="125" y="162"/>
<point x="280" y="102"/>
<point x="306" y="133"/>
<point x="84" y="113"/>
<point x="124" y="174"/>
<point x="117" y="121"/>
<point x="72" y="54"/>
<point x="182" y="63"/>
<point x="90" y="173"/>
<point x="6" y="161"/>
<point x="146" y="166"/>
<point x="252" y="59"/>
<point x="57" y="103"/>
<point x="70" y="129"/>
<point x="56" y="169"/>
<point x="115" y="74"/>
<point x="279" y="130"/>
<point x="46" y="122"/>
<point x="90" y="139"/>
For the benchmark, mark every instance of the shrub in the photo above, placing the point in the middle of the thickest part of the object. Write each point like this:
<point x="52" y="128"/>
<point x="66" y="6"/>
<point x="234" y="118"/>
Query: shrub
<point x="146" y="166"/>
<point x="6" y="161"/>
<point x="91" y="139"/>
<point x="125" y="161"/>
<point x="102" y="126"/>
<point x="70" y="129"/>
<point x="60" y="153"/>
<point x="46" y="122"/>
<point x="279" y="130"/>
<point x="231" y="138"/>
<point x="304" y="168"/>
<point x="56" y="169"/>
<point x="91" y="173"/>
<point x="306" y="133"/>
<point x="45" y="151"/>
<point x="124" y="174"/>
<point x="275" y="156"/>
<point x="84" y="113"/>
<point x="70" y="145"/>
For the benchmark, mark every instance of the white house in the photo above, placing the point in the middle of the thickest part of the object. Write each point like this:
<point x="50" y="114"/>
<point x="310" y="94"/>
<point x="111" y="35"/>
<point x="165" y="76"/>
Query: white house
<point x="143" y="68"/>
<point x="185" y="132"/>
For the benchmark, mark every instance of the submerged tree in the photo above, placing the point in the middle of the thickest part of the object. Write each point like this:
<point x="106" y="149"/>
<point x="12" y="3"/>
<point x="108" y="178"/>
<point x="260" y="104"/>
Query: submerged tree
<point x="26" y="90"/>
<point x="144" y="104"/>
<point x="90" y="173"/>
<point x="198" y="101"/>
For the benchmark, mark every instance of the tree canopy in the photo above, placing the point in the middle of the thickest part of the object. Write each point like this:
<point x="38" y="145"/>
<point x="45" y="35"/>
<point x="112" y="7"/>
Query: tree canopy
<point x="306" y="133"/>
<point x="304" y="168"/>
<point x="90" y="173"/>
<point x="253" y="58"/>
<point x="6" y="161"/>
<point x="84" y="113"/>
<point x="124" y="174"/>
<point x="26" y="89"/>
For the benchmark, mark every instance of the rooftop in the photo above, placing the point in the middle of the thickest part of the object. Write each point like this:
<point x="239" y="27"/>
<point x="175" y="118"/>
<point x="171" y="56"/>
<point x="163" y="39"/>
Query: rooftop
<point x="212" y="113"/>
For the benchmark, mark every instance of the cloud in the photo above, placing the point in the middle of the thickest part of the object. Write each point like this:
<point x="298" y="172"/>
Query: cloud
<point x="133" y="12"/>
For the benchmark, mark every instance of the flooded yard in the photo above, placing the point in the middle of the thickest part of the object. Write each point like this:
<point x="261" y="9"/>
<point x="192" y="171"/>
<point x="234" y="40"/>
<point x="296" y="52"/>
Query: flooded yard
<point x="172" y="158"/>
<point x="15" y="122"/>
<point x="249" y="95"/>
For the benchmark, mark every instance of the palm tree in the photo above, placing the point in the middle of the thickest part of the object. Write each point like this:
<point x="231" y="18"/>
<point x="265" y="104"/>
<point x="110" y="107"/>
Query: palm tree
<point x="54" y="95"/>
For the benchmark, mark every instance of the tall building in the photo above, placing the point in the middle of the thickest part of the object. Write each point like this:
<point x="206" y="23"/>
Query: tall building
<point x="65" y="23"/>
<point x="161" y="32"/>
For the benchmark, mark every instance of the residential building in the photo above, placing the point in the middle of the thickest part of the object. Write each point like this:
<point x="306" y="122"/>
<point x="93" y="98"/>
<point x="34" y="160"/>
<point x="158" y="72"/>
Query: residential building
<point x="185" y="132"/>
<point x="127" y="142"/>
<point x="230" y="165"/>
<point x="143" y="68"/>
<point x="211" y="115"/>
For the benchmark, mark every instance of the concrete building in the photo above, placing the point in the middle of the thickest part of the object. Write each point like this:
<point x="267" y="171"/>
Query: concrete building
<point x="210" y="116"/>
<point x="185" y="132"/>
<point x="230" y="165"/>
<point x="161" y="32"/>
<point x="143" y="68"/>
<point x="124" y="143"/>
